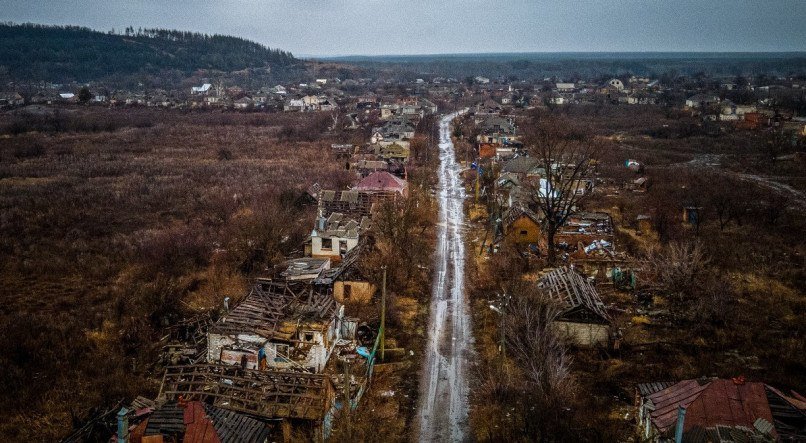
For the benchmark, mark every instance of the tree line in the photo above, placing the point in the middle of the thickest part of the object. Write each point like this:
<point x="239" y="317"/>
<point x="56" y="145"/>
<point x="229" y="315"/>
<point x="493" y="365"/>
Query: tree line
<point x="72" y="53"/>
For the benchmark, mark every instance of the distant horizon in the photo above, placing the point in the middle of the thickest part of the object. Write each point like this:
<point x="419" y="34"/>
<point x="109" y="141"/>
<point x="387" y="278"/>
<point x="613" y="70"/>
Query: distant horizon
<point x="349" y="56"/>
<point x="507" y="53"/>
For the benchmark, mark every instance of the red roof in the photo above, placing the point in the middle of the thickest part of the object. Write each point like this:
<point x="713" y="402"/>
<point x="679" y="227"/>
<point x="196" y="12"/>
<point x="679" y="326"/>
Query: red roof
<point x="198" y="426"/>
<point x="710" y="403"/>
<point x="196" y="422"/>
<point x="382" y="181"/>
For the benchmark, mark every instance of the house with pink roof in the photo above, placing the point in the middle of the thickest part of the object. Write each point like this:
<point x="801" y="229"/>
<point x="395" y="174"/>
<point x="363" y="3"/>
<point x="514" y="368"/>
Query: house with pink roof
<point x="383" y="182"/>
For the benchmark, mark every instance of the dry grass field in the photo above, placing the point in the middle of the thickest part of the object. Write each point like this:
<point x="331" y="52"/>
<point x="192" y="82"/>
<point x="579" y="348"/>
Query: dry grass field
<point x="115" y="222"/>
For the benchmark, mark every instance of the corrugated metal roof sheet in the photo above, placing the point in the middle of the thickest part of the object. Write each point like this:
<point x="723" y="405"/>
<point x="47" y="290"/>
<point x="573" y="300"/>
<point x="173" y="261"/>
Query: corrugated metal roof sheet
<point x="710" y="403"/>
<point x="645" y="389"/>
<point x="667" y="400"/>
<point x="232" y="427"/>
<point x="198" y="427"/>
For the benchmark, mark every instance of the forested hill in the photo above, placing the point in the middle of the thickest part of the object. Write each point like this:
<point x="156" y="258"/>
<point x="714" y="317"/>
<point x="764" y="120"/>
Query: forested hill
<point x="65" y="53"/>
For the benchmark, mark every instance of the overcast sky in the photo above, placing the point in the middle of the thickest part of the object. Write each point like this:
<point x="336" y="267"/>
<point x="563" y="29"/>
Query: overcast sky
<point x="349" y="27"/>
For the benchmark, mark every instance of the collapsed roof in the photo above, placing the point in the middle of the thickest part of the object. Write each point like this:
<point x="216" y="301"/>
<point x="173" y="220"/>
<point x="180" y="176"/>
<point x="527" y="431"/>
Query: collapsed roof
<point x="579" y="300"/>
<point x="270" y="304"/>
<point x="729" y="407"/>
<point x="270" y="394"/>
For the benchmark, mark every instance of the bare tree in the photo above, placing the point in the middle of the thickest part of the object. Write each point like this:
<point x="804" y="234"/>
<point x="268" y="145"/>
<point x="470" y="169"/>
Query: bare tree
<point x="727" y="196"/>
<point x="540" y="357"/>
<point x="533" y="343"/>
<point x="566" y="159"/>
<point x="679" y="268"/>
<point x="774" y="144"/>
<point x="399" y="227"/>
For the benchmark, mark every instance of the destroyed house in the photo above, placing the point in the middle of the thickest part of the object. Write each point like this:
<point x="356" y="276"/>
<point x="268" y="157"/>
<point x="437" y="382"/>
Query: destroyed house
<point x="335" y="236"/>
<point x="279" y="326"/>
<point x="587" y="235"/>
<point x="497" y="129"/>
<point x="197" y="422"/>
<point x="304" y="269"/>
<point x="582" y="317"/>
<point x="711" y="409"/>
<point x="349" y="285"/>
<point x="291" y="396"/>
<point x="353" y="204"/>
<point x="395" y="129"/>
<point x="488" y="107"/>
<point x="367" y="167"/>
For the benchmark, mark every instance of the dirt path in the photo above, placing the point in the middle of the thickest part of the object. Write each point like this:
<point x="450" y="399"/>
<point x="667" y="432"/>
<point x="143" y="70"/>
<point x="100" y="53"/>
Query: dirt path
<point x="797" y="197"/>
<point x="442" y="414"/>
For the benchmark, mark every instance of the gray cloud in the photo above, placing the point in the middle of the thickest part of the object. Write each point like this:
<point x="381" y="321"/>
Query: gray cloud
<point x="323" y="27"/>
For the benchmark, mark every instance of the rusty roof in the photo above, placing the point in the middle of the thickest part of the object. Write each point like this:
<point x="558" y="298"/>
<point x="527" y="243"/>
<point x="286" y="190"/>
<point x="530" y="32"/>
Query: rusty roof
<point x="710" y="403"/>
<point x="196" y="422"/>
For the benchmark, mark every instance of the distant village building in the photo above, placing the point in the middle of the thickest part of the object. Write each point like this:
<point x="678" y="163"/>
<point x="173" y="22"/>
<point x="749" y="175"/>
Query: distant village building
<point x="616" y="84"/>
<point x="201" y="90"/>
<point x="11" y="99"/>
<point x="701" y="101"/>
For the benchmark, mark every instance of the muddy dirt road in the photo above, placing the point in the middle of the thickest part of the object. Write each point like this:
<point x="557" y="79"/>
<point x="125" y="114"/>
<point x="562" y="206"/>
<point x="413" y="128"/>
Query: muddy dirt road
<point x="443" y="408"/>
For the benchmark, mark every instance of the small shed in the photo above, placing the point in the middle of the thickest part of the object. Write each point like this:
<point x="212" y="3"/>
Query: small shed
<point x="349" y="285"/>
<point x="582" y="318"/>
<point x="521" y="225"/>
<point x="644" y="223"/>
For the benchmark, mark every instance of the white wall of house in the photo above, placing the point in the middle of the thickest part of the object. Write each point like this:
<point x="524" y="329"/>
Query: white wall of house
<point x="319" y="246"/>
<point x="583" y="334"/>
<point x="216" y="342"/>
<point x="276" y="352"/>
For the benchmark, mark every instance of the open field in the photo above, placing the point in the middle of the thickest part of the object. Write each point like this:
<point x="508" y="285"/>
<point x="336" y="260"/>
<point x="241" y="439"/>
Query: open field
<point x="109" y="233"/>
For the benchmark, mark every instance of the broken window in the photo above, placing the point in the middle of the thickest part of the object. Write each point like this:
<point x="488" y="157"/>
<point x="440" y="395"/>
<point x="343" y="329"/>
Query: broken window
<point x="327" y="244"/>
<point x="307" y="336"/>
<point x="524" y="233"/>
<point x="281" y="353"/>
<point x="348" y="291"/>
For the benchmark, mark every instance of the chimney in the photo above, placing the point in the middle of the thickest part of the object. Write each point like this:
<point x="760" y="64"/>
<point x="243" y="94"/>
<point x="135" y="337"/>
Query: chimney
<point x="123" y="425"/>
<point x="678" y="431"/>
<point x="226" y="305"/>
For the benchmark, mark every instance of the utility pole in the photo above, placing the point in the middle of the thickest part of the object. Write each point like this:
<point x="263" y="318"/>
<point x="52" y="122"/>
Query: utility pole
<point x="503" y="304"/>
<point x="503" y="335"/>
<point x="478" y="178"/>
<point x="347" y="403"/>
<point x="383" y="315"/>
